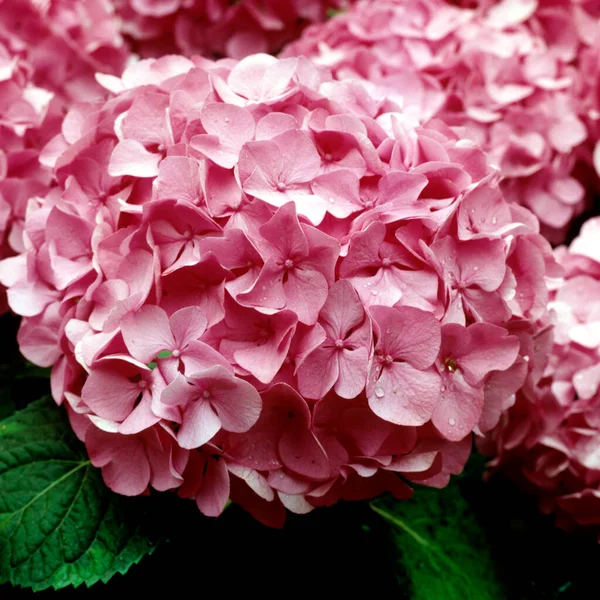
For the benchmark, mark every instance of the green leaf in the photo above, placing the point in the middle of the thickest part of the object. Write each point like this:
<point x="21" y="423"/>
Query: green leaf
<point x="441" y="547"/>
<point x="59" y="524"/>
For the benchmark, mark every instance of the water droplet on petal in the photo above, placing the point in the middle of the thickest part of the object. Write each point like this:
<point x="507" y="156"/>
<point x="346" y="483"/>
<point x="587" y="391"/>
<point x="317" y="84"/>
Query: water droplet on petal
<point x="494" y="220"/>
<point x="443" y="388"/>
<point x="475" y="268"/>
<point x="331" y="200"/>
<point x="379" y="392"/>
<point x="452" y="421"/>
<point x="374" y="292"/>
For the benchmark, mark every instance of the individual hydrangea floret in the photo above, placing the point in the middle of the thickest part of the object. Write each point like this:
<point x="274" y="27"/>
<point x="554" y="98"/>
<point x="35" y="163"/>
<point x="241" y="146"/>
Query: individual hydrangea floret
<point x="256" y="283"/>
<point x="522" y="78"/>
<point x="549" y="439"/>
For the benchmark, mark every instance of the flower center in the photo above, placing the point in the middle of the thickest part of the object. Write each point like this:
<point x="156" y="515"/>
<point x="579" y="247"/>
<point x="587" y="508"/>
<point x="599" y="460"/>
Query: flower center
<point x="176" y="353"/>
<point x="206" y="394"/>
<point x="451" y="365"/>
<point x="339" y="344"/>
<point x="281" y="186"/>
<point x="288" y="264"/>
<point x="386" y="262"/>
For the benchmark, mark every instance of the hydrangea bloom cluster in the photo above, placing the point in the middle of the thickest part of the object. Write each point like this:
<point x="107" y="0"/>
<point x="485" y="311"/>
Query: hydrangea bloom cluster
<point x="521" y="75"/>
<point x="65" y="43"/>
<point x="549" y="439"/>
<point x="217" y="28"/>
<point x="255" y="282"/>
<point x="49" y="52"/>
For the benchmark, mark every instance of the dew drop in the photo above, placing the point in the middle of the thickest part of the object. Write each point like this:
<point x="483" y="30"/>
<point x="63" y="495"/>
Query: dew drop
<point x="526" y="358"/>
<point x="452" y="421"/>
<point x="331" y="200"/>
<point x="379" y="392"/>
<point x="475" y="268"/>
<point x="494" y="220"/>
<point x="374" y="292"/>
<point x="443" y="388"/>
<point x="263" y="288"/>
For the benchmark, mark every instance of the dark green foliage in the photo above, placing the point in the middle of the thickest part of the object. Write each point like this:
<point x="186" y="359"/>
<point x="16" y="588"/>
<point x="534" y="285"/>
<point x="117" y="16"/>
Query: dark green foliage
<point x="59" y="524"/>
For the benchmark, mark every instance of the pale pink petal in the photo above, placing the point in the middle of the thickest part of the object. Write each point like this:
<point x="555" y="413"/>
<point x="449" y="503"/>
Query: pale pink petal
<point x="405" y="396"/>
<point x="147" y="332"/>
<point x="131" y="158"/>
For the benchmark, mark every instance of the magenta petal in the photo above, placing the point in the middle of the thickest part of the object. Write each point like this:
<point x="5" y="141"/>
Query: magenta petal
<point x="490" y="348"/>
<point x="140" y="418"/>
<point x="459" y="408"/>
<point x="181" y="391"/>
<point x="306" y="293"/>
<point x="128" y="471"/>
<point x="178" y="179"/>
<point x="213" y="494"/>
<point x="353" y="368"/>
<point x="147" y="332"/>
<point x="267" y="291"/>
<point x="407" y="333"/>
<point x="200" y="424"/>
<point x="318" y="373"/>
<point x="405" y="396"/>
<point x="301" y="453"/>
<point x="199" y="356"/>
<point x="131" y="158"/>
<point x="238" y="406"/>
<point x="187" y="324"/>
<point x="343" y="310"/>
<point x="109" y="393"/>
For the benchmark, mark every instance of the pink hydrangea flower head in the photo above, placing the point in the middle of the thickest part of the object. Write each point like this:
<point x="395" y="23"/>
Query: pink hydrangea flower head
<point x="260" y="284"/>
<point x="548" y="439"/>
<point x="519" y="77"/>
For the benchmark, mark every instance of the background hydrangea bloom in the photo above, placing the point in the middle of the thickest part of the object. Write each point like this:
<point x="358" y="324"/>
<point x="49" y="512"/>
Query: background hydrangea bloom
<point x="249" y="309"/>
<point x="549" y="439"/>
<point x="217" y="28"/>
<point x="49" y="54"/>
<point x="521" y="77"/>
